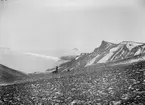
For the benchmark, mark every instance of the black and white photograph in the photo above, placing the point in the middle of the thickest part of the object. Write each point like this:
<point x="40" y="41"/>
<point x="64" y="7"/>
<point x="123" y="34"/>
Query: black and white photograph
<point x="72" y="52"/>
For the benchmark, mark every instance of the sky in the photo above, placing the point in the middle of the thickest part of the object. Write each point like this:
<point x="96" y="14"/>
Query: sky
<point x="55" y="27"/>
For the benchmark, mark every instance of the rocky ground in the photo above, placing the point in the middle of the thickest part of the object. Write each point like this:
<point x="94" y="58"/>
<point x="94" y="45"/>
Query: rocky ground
<point x="124" y="85"/>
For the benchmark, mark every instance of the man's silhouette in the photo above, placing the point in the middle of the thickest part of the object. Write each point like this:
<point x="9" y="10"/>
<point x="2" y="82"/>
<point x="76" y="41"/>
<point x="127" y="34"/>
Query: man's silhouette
<point x="56" y="70"/>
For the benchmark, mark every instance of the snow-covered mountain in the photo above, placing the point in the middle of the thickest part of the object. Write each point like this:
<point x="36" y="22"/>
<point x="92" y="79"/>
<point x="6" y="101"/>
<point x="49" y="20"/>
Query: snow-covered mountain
<point x="106" y="52"/>
<point x="27" y="62"/>
<point x="112" y="52"/>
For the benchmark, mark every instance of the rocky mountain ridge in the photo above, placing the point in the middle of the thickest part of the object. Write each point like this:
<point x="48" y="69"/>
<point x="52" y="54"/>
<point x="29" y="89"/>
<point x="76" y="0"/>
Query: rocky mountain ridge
<point x="105" y="53"/>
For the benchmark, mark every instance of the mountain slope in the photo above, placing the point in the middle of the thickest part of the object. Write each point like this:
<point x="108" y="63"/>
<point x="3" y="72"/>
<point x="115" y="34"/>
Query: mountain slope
<point x="116" y="52"/>
<point x="8" y="75"/>
<point x="106" y="52"/>
<point x="118" y="80"/>
<point x="116" y="85"/>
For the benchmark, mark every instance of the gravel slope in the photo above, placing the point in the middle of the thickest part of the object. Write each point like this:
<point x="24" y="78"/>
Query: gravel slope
<point x="112" y="85"/>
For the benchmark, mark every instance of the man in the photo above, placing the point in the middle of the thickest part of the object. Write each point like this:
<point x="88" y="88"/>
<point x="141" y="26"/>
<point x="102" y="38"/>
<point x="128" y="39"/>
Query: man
<point x="56" y="70"/>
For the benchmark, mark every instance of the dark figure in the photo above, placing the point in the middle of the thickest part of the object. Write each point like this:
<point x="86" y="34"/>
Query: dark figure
<point x="56" y="70"/>
<point x="68" y="69"/>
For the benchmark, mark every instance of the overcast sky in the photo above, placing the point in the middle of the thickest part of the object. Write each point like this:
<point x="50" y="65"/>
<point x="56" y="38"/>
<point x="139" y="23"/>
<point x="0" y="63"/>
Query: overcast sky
<point x="53" y="27"/>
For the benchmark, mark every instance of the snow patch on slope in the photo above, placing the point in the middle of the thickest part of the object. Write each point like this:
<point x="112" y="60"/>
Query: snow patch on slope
<point x="107" y="56"/>
<point x="130" y="44"/>
<point x="77" y="57"/>
<point x="142" y="58"/>
<point x="138" y="52"/>
<point x="92" y="61"/>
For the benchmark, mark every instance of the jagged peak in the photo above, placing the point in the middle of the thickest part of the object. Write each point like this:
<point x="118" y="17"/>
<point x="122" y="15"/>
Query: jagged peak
<point x="106" y="42"/>
<point x="104" y="45"/>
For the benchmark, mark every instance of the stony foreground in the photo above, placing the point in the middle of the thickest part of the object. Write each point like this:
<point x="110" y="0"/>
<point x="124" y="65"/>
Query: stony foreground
<point x="123" y="85"/>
